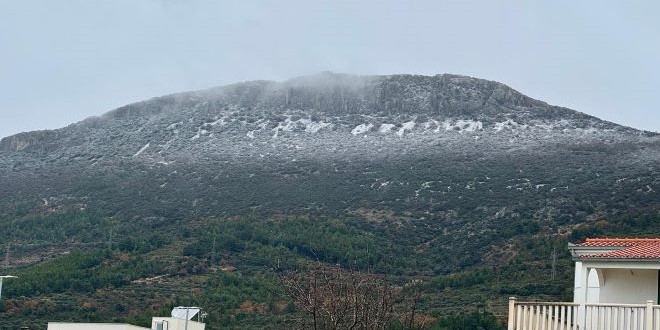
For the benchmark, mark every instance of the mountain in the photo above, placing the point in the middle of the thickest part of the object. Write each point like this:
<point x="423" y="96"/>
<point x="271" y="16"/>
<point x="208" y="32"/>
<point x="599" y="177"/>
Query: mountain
<point x="445" y="178"/>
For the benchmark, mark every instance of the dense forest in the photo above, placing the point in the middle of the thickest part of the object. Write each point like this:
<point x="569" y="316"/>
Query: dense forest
<point x="128" y="271"/>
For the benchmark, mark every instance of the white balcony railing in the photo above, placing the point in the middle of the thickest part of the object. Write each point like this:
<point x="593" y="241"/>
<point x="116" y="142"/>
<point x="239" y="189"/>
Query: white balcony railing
<point x="572" y="316"/>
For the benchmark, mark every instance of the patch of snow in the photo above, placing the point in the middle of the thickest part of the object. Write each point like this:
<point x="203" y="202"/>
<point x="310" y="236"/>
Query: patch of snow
<point x="312" y="126"/>
<point x="142" y="150"/>
<point x="547" y="127"/>
<point x="200" y="132"/>
<point x="261" y="126"/>
<point x="469" y="125"/>
<point x="362" y="128"/>
<point x="590" y="130"/>
<point x="509" y="123"/>
<point x="407" y="126"/>
<point x="288" y="126"/>
<point x="463" y="125"/>
<point x="385" y="128"/>
<point x="431" y="123"/>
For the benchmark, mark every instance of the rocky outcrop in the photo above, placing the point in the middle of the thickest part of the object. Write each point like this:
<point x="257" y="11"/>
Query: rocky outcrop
<point x="38" y="141"/>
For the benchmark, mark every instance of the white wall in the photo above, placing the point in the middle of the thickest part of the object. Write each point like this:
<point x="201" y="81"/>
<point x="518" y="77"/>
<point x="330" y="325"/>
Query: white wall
<point x="92" y="326"/>
<point x="178" y="324"/>
<point x="629" y="286"/>
<point x="620" y="286"/>
<point x="594" y="289"/>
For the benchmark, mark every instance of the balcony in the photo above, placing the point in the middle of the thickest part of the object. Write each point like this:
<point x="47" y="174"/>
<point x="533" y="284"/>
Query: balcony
<point x="574" y="316"/>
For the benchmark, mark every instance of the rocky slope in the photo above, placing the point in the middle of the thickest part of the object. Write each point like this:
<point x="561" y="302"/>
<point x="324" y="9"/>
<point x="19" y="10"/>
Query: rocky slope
<point x="311" y="133"/>
<point x="311" y="108"/>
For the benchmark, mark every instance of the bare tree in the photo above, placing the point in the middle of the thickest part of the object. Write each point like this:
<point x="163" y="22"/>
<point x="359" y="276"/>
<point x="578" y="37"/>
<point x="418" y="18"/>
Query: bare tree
<point x="333" y="298"/>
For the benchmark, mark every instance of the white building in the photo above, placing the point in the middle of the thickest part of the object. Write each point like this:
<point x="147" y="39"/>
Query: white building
<point x="621" y="271"/>
<point x="157" y="323"/>
<point x="171" y="323"/>
<point x="617" y="286"/>
<point x="181" y="320"/>
<point x="92" y="326"/>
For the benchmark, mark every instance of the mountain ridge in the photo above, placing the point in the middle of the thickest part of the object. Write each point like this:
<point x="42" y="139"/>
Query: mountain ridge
<point x="447" y="96"/>
<point x="291" y="132"/>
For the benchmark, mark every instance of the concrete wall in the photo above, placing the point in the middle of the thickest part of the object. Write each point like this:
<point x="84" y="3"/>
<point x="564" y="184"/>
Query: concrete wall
<point x="92" y="326"/>
<point x="629" y="286"/>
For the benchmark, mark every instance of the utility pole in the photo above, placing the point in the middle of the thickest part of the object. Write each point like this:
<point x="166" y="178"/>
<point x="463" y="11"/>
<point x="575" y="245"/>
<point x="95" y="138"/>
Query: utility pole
<point x="7" y="256"/>
<point x="554" y="262"/>
<point x="187" y="317"/>
<point x="213" y="252"/>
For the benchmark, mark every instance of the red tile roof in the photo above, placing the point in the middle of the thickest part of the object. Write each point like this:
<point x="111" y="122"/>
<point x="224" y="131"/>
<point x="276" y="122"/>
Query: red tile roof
<point x="614" y="242"/>
<point x="631" y="248"/>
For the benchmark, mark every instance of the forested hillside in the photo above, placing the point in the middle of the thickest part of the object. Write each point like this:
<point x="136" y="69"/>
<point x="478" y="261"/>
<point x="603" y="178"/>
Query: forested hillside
<point x="465" y="187"/>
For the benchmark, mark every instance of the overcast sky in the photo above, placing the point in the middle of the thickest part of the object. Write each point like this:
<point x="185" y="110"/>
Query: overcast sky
<point x="63" y="61"/>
